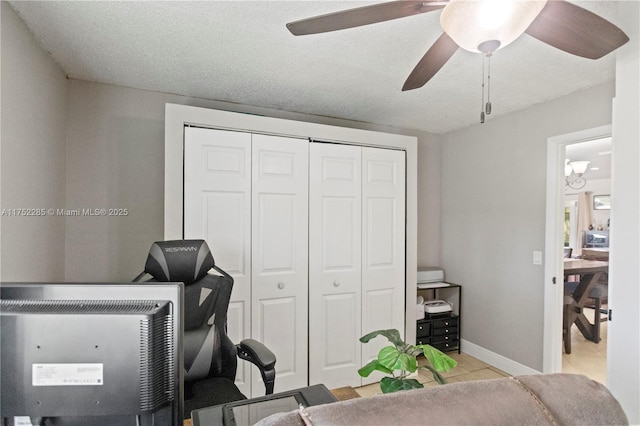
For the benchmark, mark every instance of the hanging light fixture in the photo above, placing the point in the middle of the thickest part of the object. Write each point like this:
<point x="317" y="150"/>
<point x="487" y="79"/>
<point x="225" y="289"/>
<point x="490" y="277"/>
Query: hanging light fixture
<point x="488" y="25"/>
<point x="573" y="171"/>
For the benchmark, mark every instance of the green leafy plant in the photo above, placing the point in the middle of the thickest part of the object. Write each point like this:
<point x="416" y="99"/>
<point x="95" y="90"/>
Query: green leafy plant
<point x="399" y="361"/>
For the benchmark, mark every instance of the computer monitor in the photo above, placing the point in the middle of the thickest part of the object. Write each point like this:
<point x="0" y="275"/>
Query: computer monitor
<point x="91" y="354"/>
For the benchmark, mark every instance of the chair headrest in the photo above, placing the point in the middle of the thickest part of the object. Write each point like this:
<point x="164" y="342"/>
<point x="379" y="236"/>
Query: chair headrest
<point x="184" y="261"/>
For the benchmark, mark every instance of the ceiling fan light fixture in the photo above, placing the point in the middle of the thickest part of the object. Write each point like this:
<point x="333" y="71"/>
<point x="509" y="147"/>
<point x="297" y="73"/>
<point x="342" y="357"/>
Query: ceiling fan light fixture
<point x="470" y="23"/>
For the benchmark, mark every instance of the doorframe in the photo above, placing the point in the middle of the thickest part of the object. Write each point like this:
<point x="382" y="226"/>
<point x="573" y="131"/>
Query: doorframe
<point x="554" y="292"/>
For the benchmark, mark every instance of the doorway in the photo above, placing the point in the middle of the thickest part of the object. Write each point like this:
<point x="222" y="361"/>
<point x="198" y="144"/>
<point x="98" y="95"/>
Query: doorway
<point x="586" y="236"/>
<point x="554" y="243"/>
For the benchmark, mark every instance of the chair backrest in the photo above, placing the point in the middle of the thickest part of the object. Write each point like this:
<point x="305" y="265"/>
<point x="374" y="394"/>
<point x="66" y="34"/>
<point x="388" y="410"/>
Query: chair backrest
<point x="567" y="252"/>
<point x="208" y="351"/>
<point x="179" y="260"/>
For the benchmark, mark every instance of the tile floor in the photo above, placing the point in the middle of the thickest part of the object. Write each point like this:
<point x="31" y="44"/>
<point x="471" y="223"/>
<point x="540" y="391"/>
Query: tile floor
<point x="586" y="358"/>
<point x="468" y="368"/>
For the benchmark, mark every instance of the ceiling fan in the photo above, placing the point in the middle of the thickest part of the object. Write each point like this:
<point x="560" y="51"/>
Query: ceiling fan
<point x="482" y="26"/>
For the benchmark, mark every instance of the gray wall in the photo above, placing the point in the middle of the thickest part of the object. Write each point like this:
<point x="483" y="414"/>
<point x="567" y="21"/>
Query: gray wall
<point x="115" y="159"/>
<point x="429" y="194"/>
<point x="32" y="155"/>
<point x="493" y="218"/>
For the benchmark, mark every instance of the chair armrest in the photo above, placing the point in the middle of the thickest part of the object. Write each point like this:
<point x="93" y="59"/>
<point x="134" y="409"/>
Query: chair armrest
<point x="259" y="355"/>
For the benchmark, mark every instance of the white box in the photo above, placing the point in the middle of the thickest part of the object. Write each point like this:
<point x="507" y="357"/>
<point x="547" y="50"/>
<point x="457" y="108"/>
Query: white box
<point x="437" y="306"/>
<point x="430" y="274"/>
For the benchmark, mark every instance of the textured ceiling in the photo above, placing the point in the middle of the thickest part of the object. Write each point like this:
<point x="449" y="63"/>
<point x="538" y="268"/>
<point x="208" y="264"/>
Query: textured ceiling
<point x="241" y="52"/>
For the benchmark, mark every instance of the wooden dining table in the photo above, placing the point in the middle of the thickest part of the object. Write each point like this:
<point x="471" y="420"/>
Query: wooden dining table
<point x="590" y="272"/>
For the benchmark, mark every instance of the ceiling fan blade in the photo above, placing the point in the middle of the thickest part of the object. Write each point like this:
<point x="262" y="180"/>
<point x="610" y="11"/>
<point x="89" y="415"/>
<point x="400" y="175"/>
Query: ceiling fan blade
<point x="576" y="30"/>
<point x="431" y="62"/>
<point x="362" y="16"/>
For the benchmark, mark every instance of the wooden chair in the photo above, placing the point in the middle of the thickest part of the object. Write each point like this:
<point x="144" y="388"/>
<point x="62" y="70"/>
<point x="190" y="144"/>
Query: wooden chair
<point x="567" y="323"/>
<point x="597" y="298"/>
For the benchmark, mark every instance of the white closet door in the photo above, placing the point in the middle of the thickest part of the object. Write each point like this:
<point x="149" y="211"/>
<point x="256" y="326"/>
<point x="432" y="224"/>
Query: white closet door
<point x="217" y="208"/>
<point x="280" y="256"/>
<point x="334" y="264"/>
<point x="383" y="246"/>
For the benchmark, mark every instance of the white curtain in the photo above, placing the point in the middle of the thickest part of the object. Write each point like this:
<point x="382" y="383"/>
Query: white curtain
<point x="584" y="220"/>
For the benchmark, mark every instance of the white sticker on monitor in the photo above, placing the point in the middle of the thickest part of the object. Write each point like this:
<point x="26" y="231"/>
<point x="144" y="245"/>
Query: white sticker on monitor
<point x="67" y="374"/>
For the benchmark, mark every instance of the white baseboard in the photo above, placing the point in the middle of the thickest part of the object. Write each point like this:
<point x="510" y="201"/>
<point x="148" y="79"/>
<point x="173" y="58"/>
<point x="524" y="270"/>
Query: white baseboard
<point x="496" y="360"/>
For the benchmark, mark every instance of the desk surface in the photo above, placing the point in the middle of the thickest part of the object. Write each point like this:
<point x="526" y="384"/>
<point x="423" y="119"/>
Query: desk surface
<point x="313" y="395"/>
<point x="341" y="394"/>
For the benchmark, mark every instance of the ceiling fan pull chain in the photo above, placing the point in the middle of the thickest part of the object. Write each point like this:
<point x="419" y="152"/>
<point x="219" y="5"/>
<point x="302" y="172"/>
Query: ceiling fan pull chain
<point x="488" y="106"/>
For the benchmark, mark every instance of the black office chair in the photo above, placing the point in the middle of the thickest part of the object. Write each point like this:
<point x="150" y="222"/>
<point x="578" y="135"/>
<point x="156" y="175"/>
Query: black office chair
<point x="210" y="358"/>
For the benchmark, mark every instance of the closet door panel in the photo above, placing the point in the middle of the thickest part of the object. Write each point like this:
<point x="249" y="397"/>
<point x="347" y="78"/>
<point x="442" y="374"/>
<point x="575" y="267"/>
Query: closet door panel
<point x="280" y="256"/>
<point x="275" y="233"/>
<point x="339" y="331"/>
<point x="340" y="239"/>
<point x="275" y="319"/>
<point x="228" y="242"/>
<point x="218" y="196"/>
<point x="381" y="232"/>
<point x="334" y="264"/>
<point x="217" y="208"/>
<point x="383" y="245"/>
